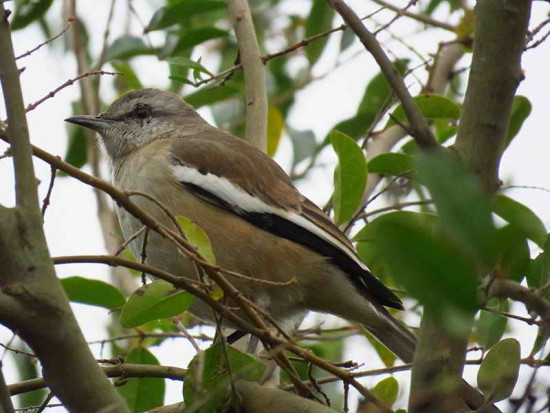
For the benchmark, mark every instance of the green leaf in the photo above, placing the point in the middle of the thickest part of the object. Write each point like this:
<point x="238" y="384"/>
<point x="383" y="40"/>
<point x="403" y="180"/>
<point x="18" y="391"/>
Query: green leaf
<point x="392" y="163"/>
<point x="28" y="11"/>
<point x="386" y="356"/>
<point x="347" y="39"/>
<point x="386" y="390"/>
<point x="143" y="393"/>
<point x="209" y="373"/>
<point x="420" y="220"/>
<point x="198" y="238"/>
<point x="538" y="274"/>
<point x="521" y="109"/>
<point x="319" y="20"/>
<point x="513" y="253"/>
<point x="431" y="106"/>
<point x="207" y="96"/>
<point x="129" y="81"/>
<point x="303" y="144"/>
<point x="376" y="96"/>
<point x="429" y="267"/>
<point x="158" y="299"/>
<point x="77" y="151"/>
<point x="181" y="11"/>
<point x="193" y="37"/>
<point x="498" y="373"/>
<point x="490" y="326"/>
<point x="187" y="63"/>
<point x="520" y="217"/>
<point x="92" y="292"/>
<point x="463" y="206"/>
<point x="275" y="127"/>
<point x="350" y="176"/>
<point x="126" y="47"/>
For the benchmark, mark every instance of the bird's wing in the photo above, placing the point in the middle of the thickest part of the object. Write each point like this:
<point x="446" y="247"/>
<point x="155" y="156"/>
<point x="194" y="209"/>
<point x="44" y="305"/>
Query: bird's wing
<point x="232" y="174"/>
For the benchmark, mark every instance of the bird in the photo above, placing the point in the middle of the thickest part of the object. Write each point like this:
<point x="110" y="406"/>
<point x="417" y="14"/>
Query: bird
<point x="258" y="223"/>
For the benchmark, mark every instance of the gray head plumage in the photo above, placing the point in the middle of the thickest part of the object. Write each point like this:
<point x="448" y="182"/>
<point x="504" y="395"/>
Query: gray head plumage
<point x="139" y="117"/>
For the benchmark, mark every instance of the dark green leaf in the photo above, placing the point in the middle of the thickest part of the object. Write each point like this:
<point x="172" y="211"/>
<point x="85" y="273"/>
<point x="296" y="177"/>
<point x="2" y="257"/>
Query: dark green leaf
<point x="490" y="326"/>
<point x="92" y="292"/>
<point x="498" y="374"/>
<point x="129" y="81"/>
<point x="27" y="12"/>
<point x="187" y="63"/>
<point x="387" y="357"/>
<point x="181" y="11"/>
<point x="27" y="369"/>
<point x="431" y="106"/>
<point x="521" y="109"/>
<point x="207" y="96"/>
<point x="392" y="163"/>
<point x="126" y="47"/>
<point x="429" y="267"/>
<point x="444" y="129"/>
<point x="350" y="176"/>
<point x="513" y="253"/>
<point x="77" y="152"/>
<point x="194" y="37"/>
<point x="319" y="20"/>
<point x="347" y="39"/>
<point x="303" y="144"/>
<point x="539" y="269"/>
<point x="143" y="393"/>
<point x="158" y="299"/>
<point x="207" y="389"/>
<point x="419" y="220"/>
<point x="463" y="206"/>
<point x="377" y="95"/>
<point x="520" y="217"/>
<point x="386" y="390"/>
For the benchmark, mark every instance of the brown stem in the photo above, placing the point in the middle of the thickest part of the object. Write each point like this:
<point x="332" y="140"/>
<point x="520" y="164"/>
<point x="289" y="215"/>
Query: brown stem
<point x="500" y="33"/>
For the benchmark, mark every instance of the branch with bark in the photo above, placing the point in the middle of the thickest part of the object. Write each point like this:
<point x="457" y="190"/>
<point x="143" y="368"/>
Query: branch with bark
<point x="254" y="73"/>
<point x="32" y="301"/>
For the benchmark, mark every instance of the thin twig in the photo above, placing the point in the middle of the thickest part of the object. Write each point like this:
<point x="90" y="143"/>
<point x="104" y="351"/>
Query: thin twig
<point x="179" y="325"/>
<point x="70" y="20"/>
<point x="419" y="17"/>
<point x="129" y="240"/>
<point x="46" y="201"/>
<point x="69" y="82"/>
<point x="419" y="127"/>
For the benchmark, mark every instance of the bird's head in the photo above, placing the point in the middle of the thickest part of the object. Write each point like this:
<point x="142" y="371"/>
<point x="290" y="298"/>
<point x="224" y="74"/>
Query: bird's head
<point x="137" y="118"/>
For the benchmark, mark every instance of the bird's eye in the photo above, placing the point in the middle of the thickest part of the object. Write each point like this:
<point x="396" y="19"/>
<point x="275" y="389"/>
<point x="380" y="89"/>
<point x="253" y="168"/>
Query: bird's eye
<point x="142" y="111"/>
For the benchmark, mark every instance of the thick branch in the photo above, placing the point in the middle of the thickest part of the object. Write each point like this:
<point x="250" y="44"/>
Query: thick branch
<point x="418" y="125"/>
<point x="42" y="315"/>
<point x="500" y="33"/>
<point x="18" y="131"/>
<point x="254" y="74"/>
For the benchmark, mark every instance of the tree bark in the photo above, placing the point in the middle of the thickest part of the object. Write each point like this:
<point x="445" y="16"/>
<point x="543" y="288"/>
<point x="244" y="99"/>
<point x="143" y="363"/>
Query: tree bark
<point x="32" y="302"/>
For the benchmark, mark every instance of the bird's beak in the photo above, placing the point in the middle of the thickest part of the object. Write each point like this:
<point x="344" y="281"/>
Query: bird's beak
<point x="92" y="122"/>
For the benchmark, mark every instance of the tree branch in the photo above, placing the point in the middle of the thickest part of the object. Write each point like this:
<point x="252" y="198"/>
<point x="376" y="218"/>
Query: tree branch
<point x="42" y="315"/>
<point x="418" y="125"/>
<point x="119" y="370"/>
<point x="500" y="33"/>
<point x="254" y="74"/>
<point x="533" y="301"/>
<point x="423" y="18"/>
